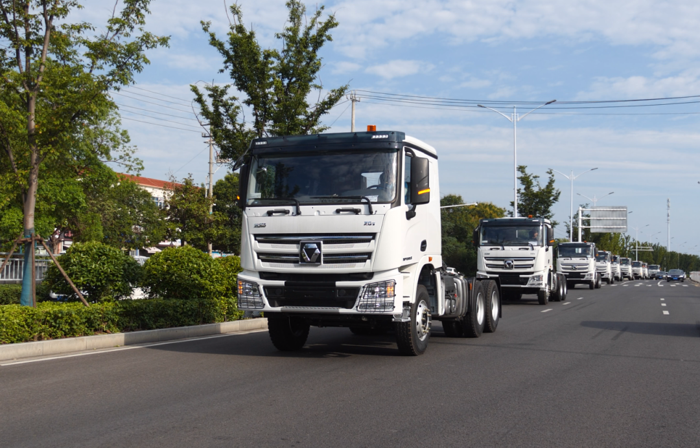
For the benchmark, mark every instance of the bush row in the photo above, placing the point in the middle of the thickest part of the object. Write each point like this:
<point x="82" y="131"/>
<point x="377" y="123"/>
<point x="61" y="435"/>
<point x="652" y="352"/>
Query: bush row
<point x="10" y="294"/>
<point x="61" y="320"/>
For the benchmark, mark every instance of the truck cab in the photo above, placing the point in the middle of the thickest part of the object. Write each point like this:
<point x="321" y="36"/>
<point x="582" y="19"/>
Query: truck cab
<point x="343" y="230"/>
<point x="616" y="268"/>
<point x="653" y="270"/>
<point x="603" y="263"/>
<point x="626" y="268"/>
<point x="518" y="253"/>
<point x="576" y="261"/>
<point x="637" y="270"/>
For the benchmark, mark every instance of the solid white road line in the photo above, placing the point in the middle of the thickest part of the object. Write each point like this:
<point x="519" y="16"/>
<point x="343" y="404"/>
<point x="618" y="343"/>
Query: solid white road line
<point x="550" y="309"/>
<point x="665" y="312"/>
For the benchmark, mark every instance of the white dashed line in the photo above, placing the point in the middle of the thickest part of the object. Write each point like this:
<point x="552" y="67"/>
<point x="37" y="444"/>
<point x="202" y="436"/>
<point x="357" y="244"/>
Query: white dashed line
<point x="550" y="309"/>
<point x="580" y="298"/>
<point x="625" y="285"/>
<point x="638" y="284"/>
<point x="665" y="312"/>
<point x="663" y="298"/>
<point x="685" y="286"/>
<point x="649" y="286"/>
<point x="566" y="303"/>
<point x="663" y="304"/>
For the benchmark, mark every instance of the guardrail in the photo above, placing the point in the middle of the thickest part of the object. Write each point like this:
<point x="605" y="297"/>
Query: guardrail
<point x="14" y="270"/>
<point x="695" y="275"/>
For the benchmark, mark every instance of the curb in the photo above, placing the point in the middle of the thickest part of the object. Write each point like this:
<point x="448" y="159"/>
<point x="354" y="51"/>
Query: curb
<point x="82" y="343"/>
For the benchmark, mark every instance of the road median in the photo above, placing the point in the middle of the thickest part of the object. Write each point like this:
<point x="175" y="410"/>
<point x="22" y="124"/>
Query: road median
<point x="70" y="345"/>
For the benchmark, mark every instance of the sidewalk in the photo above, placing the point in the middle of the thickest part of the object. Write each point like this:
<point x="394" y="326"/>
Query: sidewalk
<point x="71" y="345"/>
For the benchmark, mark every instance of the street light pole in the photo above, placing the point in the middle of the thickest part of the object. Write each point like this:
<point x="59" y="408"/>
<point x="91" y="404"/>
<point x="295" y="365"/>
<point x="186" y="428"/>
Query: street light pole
<point x="594" y="199"/>
<point x="572" y="178"/>
<point x="514" y="119"/>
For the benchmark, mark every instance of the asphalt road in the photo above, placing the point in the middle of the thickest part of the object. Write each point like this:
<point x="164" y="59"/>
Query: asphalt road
<point x="618" y="366"/>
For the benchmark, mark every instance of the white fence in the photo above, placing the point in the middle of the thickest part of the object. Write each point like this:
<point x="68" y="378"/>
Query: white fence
<point x="14" y="270"/>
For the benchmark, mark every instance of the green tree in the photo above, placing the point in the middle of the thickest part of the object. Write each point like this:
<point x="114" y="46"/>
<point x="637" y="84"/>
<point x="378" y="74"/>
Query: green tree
<point x="533" y="199"/>
<point x="56" y="81"/>
<point x="188" y="215"/>
<point x="225" y="193"/>
<point x="276" y="84"/>
<point x="458" y="224"/>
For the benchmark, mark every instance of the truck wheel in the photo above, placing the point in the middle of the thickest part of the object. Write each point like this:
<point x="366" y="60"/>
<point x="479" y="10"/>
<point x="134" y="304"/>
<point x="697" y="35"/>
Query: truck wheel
<point x="474" y="321"/>
<point x="493" y="306"/>
<point x="452" y="328"/>
<point x="412" y="337"/>
<point x="287" y="333"/>
<point x="543" y="296"/>
<point x="608" y="280"/>
<point x="598" y="282"/>
<point x="591" y="285"/>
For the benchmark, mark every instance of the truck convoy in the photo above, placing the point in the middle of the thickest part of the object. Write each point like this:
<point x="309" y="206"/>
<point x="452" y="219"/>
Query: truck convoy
<point x="343" y="230"/>
<point x="518" y="253"/>
<point x="577" y="262"/>
<point x="603" y="264"/>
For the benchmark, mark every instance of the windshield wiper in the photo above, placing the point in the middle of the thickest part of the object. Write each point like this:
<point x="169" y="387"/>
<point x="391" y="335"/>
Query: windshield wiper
<point x="361" y="198"/>
<point x="296" y="202"/>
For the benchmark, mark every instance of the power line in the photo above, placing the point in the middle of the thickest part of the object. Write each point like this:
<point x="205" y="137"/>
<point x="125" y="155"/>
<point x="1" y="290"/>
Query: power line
<point x="198" y="154"/>
<point x="161" y="125"/>
<point x="161" y="119"/>
<point x="161" y="94"/>
<point x="154" y="112"/>
<point x="341" y="114"/>
<point x="149" y="102"/>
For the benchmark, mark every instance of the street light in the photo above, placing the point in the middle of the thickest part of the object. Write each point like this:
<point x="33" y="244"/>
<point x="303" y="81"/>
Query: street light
<point x="636" y="241"/>
<point x="594" y="199"/>
<point x="572" y="178"/>
<point x="514" y="119"/>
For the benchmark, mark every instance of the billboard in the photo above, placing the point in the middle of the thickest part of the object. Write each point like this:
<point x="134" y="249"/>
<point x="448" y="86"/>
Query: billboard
<point x="608" y="219"/>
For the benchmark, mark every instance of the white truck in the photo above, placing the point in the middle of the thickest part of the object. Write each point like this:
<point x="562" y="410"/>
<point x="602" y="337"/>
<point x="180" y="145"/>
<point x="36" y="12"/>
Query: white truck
<point x="653" y="270"/>
<point x="626" y="268"/>
<point x="616" y="268"/>
<point x="343" y="230"/>
<point x="576" y="261"/>
<point x="518" y="253"/>
<point x="603" y="264"/>
<point x="638" y="270"/>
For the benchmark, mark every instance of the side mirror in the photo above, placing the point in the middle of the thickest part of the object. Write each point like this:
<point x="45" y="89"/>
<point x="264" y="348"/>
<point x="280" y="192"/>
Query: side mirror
<point x="475" y="237"/>
<point x="243" y="186"/>
<point x="420" y="181"/>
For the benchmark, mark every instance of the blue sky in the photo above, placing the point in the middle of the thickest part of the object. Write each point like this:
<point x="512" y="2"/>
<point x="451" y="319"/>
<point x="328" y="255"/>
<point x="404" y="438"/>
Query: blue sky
<point x="532" y="50"/>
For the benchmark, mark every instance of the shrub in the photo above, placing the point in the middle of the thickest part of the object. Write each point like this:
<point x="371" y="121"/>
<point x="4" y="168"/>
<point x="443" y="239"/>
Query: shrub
<point x="184" y="273"/>
<point x="50" y="320"/>
<point x="10" y="294"/>
<point x="102" y="272"/>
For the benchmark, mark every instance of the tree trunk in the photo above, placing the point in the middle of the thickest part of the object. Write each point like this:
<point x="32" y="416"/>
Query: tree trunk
<point x="26" y="298"/>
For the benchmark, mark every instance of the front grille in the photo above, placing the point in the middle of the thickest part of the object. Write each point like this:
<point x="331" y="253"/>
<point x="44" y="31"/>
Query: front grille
<point x="311" y="295"/>
<point x="575" y="274"/>
<point x="332" y="278"/>
<point x="518" y="262"/>
<point x="513" y="280"/>
<point x="347" y="250"/>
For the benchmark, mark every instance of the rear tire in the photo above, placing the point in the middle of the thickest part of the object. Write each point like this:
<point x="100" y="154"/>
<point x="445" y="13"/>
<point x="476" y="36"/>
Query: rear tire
<point x="493" y="306"/>
<point x="474" y="321"/>
<point x="412" y="337"/>
<point x="287" y="333"/>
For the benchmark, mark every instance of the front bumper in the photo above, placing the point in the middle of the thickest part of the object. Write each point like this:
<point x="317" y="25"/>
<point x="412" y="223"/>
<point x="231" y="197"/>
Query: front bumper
<point x="530" y="280"/>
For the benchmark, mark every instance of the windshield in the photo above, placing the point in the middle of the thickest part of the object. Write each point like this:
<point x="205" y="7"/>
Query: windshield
<point x="601" y="257"/>
<point x="521" y="235"/>
<point x="615" y="258"/>
<point x="653" y="266"/>
<point x="636" y="264"/>
<point x="676" y="272"/>
<point x="323" y="177"/>
<point x="575" y="251"/>
<point x="625" y="261"/>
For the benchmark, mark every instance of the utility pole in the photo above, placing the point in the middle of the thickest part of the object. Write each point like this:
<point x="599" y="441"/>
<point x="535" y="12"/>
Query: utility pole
<point x="668" y="225"/>
<point x="355" y="99"/>
<point x="211" y="176"/>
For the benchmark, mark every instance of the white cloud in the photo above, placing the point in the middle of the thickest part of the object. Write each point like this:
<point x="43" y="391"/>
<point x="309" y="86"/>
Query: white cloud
<point x="475" y="83"/>
<point x="685" y="83"/>
<point x="399" y="68"/>
<point x="343" y="67"/>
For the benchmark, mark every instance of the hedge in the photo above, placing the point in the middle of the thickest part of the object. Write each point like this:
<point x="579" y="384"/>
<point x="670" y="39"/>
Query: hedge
<point x="62" y="320"/>
<point x="10" y="294"/>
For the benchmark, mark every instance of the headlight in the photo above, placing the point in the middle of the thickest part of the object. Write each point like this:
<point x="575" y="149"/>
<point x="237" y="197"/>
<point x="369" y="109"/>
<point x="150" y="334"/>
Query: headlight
<point x="535" y="279"/>
<point x="377" y="297"/>
<point x="249" y="297"/>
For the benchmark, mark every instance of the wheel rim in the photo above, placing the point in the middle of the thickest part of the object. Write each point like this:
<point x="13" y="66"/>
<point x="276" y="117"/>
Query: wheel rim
<point x="494" y="305"/>
<point x="422" y="320"/>
<point x="480" y="308"/>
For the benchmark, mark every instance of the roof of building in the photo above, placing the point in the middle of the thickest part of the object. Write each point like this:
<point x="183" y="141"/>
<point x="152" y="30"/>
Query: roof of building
<point x="150" y="182"/>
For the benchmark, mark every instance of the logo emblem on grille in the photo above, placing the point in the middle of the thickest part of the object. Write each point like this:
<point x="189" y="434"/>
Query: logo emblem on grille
<point x="573" y="268"/>
<point x="508" y="264"/>
<point x="310" y="252"/>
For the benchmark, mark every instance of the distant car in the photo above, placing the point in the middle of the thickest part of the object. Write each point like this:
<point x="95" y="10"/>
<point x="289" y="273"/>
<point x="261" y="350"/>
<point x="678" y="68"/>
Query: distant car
<point x="661" y="275"/>
<point x="676" y="275"/>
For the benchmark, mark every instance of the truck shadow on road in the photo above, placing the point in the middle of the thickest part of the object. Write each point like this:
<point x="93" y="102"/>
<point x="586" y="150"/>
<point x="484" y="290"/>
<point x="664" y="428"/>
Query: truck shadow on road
<point x="651" y="328"/>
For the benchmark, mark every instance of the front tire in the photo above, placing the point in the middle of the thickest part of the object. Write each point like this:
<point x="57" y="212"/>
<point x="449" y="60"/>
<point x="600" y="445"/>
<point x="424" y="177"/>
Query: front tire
<point x="412" y="337"/>
<point x="598" y="282"/>
<point x="287" y="333"/>
<point x="543" y="296"/>
<point x="493" y="306"/>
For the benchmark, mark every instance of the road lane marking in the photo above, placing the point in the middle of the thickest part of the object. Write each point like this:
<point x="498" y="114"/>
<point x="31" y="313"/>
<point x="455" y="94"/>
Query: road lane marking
<point x="665" y="312"/>
<point x="663" y="298"/>
<point x="550" y="309"/>
<point x="566" y="303"/>
<point x="663" y="304"/>
<point x="659" y="283"/>
<point x="580" y="298"/>
<point x="685" y="286"/>
<point x="625" y="285"/>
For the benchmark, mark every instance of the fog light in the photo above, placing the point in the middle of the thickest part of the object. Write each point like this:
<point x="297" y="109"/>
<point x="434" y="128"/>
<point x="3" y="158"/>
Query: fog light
<point x="249" y="297"/>
<point x="377" y="297"/>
